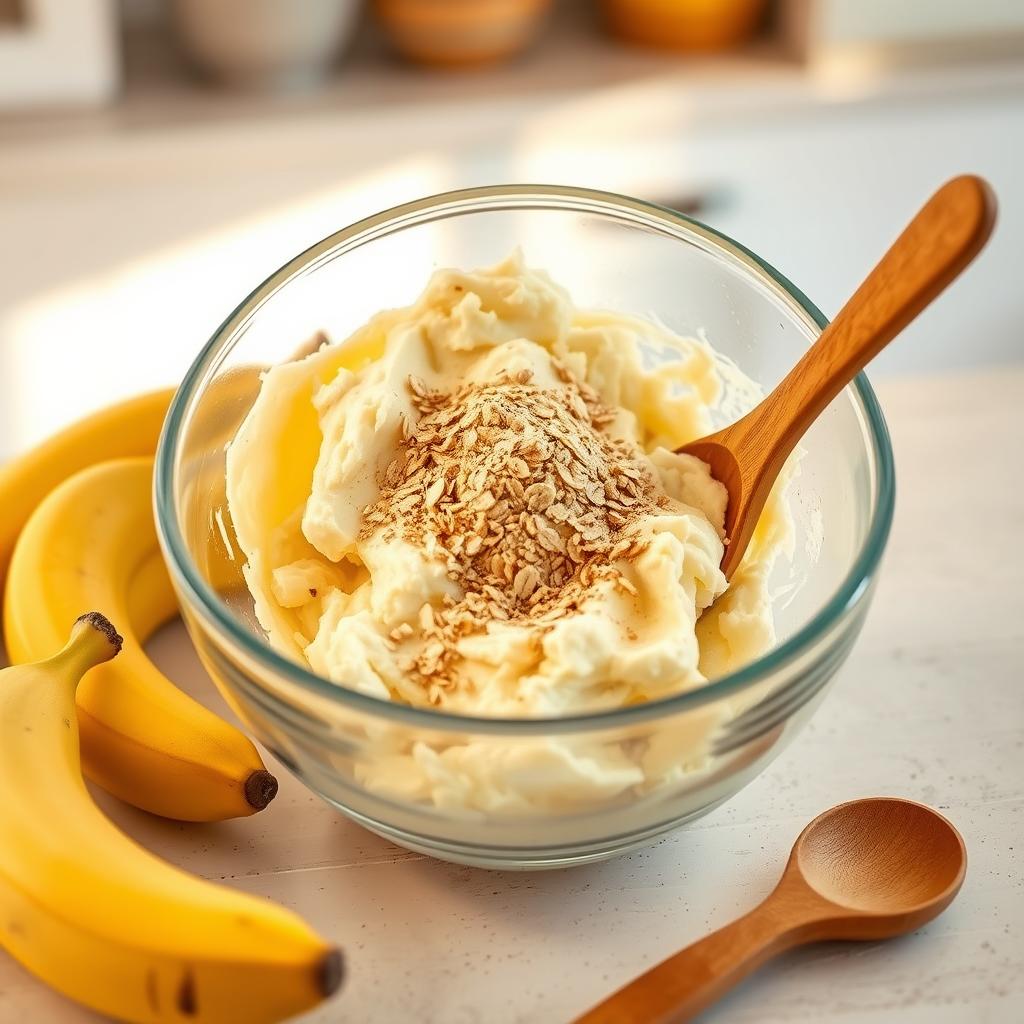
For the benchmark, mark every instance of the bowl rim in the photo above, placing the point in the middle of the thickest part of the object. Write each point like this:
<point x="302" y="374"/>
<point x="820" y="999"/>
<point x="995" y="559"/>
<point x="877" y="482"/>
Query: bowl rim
<point x="200" y="599"/>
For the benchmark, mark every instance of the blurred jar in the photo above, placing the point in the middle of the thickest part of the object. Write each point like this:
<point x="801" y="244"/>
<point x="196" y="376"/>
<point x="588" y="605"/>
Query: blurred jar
<point x="684" y="24"/>
<point x="275" y="44"/>
<point x="455" y="33"/>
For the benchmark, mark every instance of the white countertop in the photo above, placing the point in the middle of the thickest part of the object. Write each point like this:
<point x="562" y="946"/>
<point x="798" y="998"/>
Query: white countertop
<point x="929" y="706"/>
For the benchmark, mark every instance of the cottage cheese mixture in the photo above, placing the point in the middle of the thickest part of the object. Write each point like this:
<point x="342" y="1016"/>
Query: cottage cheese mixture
<point x="473" y="505"/>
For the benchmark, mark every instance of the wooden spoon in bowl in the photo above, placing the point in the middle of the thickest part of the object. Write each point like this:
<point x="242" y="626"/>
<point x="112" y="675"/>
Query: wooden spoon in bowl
<point x="947" y="233"/>
<point x="870" y="869"/>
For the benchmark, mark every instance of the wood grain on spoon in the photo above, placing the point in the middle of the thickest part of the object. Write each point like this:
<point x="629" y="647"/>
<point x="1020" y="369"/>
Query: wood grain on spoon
<point x="939" y="242"/>
<point x="869" y="869"/>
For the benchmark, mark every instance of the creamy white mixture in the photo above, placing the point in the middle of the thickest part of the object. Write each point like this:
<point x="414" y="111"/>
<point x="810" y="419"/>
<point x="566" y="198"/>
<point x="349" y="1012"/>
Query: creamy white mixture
<point x="310" y="459"/>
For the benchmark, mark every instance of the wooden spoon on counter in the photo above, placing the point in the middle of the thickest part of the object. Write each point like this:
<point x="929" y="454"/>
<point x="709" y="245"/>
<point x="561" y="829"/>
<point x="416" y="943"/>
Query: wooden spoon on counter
<point x="947" y="233"/>
<point x="870" y="869"/>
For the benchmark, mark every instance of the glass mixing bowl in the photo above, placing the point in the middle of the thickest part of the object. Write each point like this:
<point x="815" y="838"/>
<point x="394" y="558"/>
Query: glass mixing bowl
<point x="375" y="760"/>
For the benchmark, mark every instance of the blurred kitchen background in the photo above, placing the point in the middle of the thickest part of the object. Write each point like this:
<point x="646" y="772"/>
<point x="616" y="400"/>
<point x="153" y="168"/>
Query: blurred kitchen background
<point x="158" y="158"/>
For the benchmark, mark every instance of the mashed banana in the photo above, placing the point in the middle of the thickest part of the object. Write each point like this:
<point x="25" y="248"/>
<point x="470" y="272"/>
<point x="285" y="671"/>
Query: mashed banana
<point x="473" y="504"/>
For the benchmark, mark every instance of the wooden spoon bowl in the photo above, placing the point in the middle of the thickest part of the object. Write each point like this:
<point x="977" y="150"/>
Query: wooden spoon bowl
<point x="894" y="863"/>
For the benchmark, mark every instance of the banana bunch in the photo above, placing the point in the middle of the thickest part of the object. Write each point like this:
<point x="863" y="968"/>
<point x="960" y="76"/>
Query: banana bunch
<point x="100" y="919"/>
<point x="92" y="544"/>
<point x="80" y="510"/>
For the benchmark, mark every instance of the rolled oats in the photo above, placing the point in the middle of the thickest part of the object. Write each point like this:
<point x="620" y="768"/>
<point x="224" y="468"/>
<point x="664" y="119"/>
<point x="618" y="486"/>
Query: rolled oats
<point x="533" y="501"/>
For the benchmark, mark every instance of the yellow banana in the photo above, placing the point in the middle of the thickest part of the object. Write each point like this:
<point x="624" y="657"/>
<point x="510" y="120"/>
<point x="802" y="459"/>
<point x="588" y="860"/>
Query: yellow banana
<point x="102" y="920"/>
<point x="92" y="543"/>
<point x="129" y="428"/>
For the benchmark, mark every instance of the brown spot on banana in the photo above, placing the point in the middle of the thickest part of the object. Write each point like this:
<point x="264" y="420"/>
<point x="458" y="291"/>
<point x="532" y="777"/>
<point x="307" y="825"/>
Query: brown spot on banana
<point x="152" y="991"/>
<point x="187" y="1001"/>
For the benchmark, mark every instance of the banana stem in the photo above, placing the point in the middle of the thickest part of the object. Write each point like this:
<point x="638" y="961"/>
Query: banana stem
<point x="93" y="640"/>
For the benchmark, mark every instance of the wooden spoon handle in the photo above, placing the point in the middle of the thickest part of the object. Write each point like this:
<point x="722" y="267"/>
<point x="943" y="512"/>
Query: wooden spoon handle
<point x="947" y="233"/>
<point x="684" y="984"/>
